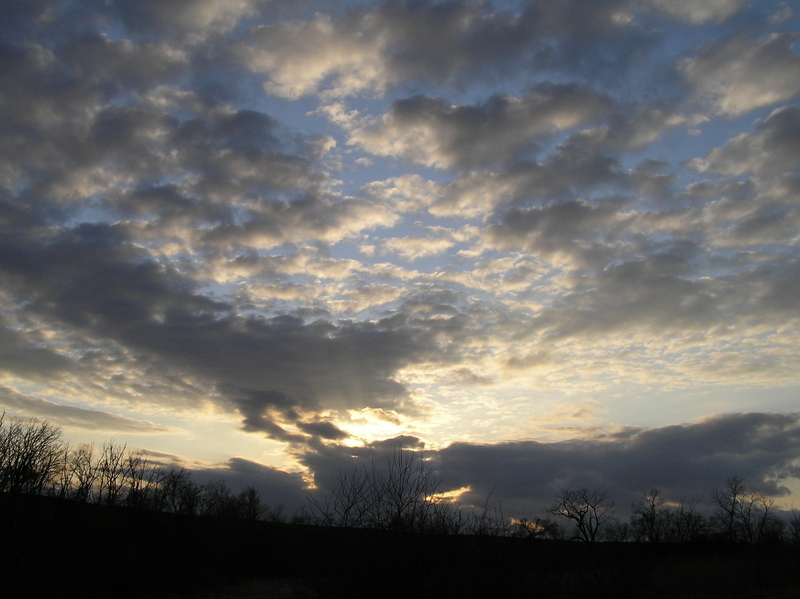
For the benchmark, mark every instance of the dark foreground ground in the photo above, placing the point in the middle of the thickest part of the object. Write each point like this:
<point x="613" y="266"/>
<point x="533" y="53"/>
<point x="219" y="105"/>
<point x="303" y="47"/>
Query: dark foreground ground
<point x="51" y="548"/>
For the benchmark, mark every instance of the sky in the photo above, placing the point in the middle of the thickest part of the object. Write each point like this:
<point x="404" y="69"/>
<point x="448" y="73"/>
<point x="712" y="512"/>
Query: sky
<point x="554" y="244"/>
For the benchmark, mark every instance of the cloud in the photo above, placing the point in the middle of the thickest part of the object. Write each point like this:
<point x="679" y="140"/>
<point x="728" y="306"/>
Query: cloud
<point x="299" y="56"/>
<point x="436" y="240"/>
<point x="586" y="160"/>
<point x="771" y="150"/>
<point x="371" y="51"/>
<point x="75" y="417"/>
<point x="699" y="12"/>
<point x="414" y="248"/>
<point x="95" y="60"/>
<point x="432" y="132"/>
<point x="145" y="16"/>
<point x="739" y="74"/>
<point x="685" y="461"/>
<point x="22" y="357"/>
<point x="655" y="294"/>
<point x="211" y="206"/>
<point x="102" y="286"/>
<point x="277" y="489"/>
<point x="561" y="231"/>
<point x="754" y="202"/>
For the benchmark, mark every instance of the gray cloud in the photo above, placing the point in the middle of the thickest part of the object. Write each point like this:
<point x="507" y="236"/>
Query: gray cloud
<point x="772" y="149"/>
<point x="654" y="294"/>
<point x="87" y="131"/>
<point x="694" y="12"/>
<point x="181" y="229"/>
<point x="93" y="279"/>
<point x="432" y="132"/>
<point x="28" y="359"/>
<point x="570" y="227"/>
<point x="75" y="417"/>
<point x="445" y="43"/>
<point x="181" y="16"/>
<point x="277" y="488"/>
<point x="686" y="461"/>
<point x="739" y="74"/>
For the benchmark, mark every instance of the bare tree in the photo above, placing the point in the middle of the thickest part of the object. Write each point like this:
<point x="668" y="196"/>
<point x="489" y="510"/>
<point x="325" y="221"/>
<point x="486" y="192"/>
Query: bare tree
<point x="400" y="496"/>
<point x="649" y="519"/>
<point x="538" y="528"/>
<point x="757" y="517"/>
<point x="250" y="507"/>
<point x="794" y="527"/>
<point x="216" y="499"/>
<point x="617" y="531"/>
<point x="446" y="517"/>
<point x="489" y="522"/>
<point x="61" y="486"/>
<point x="140" y="480"/>
<point x="686" y="523"/>
<point x="588" y="509"/>
<point x="30" y="454"/>
<point x="742" y="514"/>
<point x="405" y="489"/>
<point x="83" y="472"/>
<point x="726" y="513"/>
<point x="110" y="473"/>
<point x="181" y="495"/>
<point x="352" y="501"/>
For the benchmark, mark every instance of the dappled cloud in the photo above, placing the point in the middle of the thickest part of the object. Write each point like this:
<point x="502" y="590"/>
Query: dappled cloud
<point x="502" y="231"/>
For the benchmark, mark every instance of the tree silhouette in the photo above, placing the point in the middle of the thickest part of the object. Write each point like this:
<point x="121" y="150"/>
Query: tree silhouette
<point x="30" y="455"/>
<point x="686" y="523"/>
<point x="401" y="496"/>
<point x="742" y="514"/>
<point x="588" y="509"/>
<point x="111" y="473"/>
<point x="538" y="528"/>
<point x="649" y="519"/>
<point x="83" y="473"/>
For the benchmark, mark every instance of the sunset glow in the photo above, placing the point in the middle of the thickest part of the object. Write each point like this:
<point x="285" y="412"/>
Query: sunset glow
<point x="552" y="243"/>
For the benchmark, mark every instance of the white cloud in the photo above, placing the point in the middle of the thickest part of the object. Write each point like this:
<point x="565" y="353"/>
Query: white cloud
<point x="299" y="57"/>
<point x="414" y="248"/>
<point x="738" y="74"/>
<point x="699" y="12"/>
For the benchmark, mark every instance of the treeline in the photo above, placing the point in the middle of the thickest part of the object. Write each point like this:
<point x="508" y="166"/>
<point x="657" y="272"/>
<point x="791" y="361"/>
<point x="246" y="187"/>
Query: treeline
<point x="35" y="460"/>
<point x="738" y="515"/>
<point x="401" y="495"/>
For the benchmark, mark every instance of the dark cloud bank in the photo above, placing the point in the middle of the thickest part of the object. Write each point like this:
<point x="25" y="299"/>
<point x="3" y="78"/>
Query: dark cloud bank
<point x="685" y="461"/>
